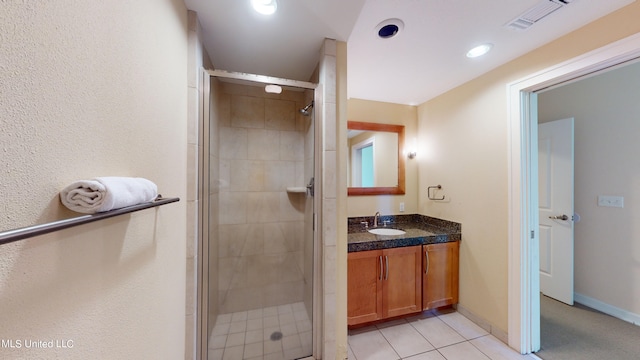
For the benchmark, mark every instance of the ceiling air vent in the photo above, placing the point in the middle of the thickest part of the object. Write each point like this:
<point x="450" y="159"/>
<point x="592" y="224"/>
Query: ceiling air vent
<point x="536" y="13"/>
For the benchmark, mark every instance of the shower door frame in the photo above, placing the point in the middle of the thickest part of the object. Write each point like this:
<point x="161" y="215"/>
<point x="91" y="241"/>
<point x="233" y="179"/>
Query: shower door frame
<point x="203" y="208"/>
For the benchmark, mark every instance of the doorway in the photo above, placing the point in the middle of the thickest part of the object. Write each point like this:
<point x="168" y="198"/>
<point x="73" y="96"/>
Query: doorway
<point x="259" y="242"/>
<point x="362" y="171"/>
<point x="523" y="280"/>
<point x="606" y="129"/>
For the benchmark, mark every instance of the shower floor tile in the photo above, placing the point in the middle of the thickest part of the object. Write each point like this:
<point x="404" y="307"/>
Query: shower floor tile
<point x="282" y="332"/>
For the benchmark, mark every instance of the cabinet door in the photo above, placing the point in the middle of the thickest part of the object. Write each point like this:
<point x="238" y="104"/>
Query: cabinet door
<point x="364" y="286"/>
<point x="402" y="293"/>
<point x="440" y="275"/>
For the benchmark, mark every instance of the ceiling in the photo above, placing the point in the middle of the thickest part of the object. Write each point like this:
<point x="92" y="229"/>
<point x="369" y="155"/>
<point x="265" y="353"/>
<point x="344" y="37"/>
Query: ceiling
<point x="425" y="59"/>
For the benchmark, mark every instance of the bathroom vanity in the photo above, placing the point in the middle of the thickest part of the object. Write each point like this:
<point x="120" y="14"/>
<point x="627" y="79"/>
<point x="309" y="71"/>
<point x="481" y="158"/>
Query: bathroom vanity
<point x="394" y="275"/>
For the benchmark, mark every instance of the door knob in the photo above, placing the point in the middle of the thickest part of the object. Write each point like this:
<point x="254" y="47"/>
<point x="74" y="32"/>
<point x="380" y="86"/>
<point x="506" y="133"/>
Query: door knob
<point x="559" y="217"/>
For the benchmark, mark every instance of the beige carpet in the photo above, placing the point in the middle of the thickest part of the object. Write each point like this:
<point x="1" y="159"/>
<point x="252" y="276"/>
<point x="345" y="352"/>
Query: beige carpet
<point x="578" y="332"/>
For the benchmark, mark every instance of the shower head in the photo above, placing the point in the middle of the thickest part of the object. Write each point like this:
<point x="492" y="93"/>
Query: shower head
<point x="305" y="110"/>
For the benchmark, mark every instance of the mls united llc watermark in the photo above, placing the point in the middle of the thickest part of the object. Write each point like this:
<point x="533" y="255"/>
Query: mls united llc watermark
<point x="36" y="344"/>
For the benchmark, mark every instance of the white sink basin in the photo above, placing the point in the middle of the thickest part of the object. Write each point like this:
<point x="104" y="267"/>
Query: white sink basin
<point x="386" y="231"/>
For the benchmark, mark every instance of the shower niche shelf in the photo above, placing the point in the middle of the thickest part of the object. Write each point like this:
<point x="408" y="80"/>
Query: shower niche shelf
<point x="297" y="189"/>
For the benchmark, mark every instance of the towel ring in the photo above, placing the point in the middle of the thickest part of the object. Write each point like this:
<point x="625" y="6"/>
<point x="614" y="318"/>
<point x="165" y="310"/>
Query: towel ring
<point x="429" y="192"/>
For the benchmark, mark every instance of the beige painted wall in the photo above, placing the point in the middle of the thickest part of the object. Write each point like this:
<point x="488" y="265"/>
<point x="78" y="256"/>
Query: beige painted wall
<point x="607" y="124"/>
<point x="89" y="89"/>
<point x="463" y="147"/>
<point x="385" y="158"/>
<point x="396" y="114"/>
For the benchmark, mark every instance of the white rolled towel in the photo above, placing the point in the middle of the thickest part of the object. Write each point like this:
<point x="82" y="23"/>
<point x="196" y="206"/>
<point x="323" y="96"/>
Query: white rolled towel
<point x="107" y="193"/>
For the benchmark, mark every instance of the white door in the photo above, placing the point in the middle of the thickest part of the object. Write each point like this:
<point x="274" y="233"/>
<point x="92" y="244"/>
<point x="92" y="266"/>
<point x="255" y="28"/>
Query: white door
<point x="555" y="181"/>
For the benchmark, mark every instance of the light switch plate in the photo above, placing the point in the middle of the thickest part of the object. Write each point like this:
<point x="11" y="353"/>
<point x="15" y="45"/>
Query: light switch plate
<point x="611" y="201"/>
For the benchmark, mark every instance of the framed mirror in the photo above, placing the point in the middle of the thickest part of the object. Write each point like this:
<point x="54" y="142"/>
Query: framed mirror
<point x="375" y="161"/>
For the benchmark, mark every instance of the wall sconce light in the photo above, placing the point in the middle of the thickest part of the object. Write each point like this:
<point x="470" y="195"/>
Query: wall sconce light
<point x="412" y="152"/>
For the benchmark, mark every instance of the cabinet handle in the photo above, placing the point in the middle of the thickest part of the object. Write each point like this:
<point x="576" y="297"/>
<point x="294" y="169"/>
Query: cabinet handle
<point x="426" y="257"/>
<point x="380" y="257"/>
<point x="386" y="260"/>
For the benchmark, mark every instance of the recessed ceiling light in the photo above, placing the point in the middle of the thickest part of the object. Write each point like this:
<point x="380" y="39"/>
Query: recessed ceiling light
<point x="479" y="50"/>
<point x="389" y="28"/>
<point x="265" y="7"/>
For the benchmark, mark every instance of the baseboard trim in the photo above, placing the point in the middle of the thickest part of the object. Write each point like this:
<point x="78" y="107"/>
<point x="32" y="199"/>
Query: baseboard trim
<point x="478" y="320"/>
<point x="607" y="308"/>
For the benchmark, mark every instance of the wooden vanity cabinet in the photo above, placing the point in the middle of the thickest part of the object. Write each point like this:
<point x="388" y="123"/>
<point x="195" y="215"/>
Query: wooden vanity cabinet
<point x="383" y="283"/>
<point x="402" y="288"/>
<point x="364" y="286"/>
<point x="440" y="275"/>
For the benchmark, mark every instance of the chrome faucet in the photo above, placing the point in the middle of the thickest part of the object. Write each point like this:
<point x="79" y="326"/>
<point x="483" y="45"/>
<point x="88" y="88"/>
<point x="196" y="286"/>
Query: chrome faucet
<point x="375" y="219"/>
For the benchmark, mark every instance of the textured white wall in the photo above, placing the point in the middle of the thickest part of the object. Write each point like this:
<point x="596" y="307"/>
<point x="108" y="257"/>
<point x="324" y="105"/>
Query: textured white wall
<point x="606" y="112"/>
<point x="87" y="89"/>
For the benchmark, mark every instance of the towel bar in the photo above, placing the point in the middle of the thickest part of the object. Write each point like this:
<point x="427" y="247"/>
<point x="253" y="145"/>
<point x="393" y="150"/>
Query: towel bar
<point x="431" y="197"/>
<point x="35" y="230"/>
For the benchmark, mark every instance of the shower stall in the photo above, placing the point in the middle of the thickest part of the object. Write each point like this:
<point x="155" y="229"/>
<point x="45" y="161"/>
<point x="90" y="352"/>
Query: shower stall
<point x="258" y="172"/>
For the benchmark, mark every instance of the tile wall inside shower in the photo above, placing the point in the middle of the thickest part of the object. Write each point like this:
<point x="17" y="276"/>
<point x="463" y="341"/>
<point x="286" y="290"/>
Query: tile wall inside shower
<point x="260" y="226"/>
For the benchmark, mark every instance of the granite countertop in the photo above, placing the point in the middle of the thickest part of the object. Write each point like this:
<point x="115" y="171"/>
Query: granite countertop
<point x="419" y="230"/>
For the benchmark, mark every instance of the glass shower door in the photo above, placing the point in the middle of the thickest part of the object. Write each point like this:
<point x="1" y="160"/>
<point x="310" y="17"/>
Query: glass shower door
<point x="261" y="222"/>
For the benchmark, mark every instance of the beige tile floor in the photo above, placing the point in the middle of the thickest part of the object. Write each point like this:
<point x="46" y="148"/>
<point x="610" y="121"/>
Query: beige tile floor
<point x="249" y="334"/>
<point x="429" y="336"/>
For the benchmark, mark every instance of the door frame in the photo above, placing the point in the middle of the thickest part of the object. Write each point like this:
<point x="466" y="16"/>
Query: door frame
<point x="523" y="252"/>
